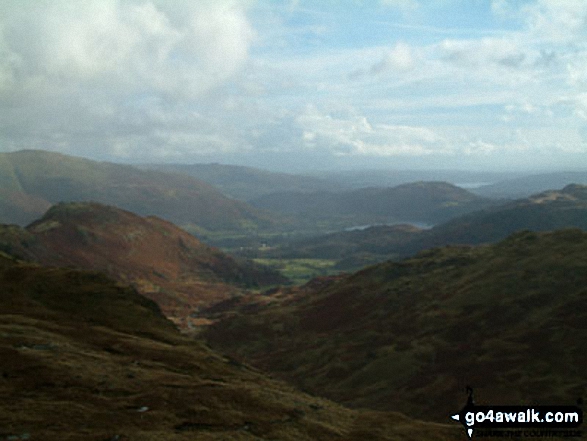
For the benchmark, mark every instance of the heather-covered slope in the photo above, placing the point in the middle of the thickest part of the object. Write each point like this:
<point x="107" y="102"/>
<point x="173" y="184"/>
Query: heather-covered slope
<point x="508" y="319"/>
<point x="164" y="262"/>
<point x="84" y="358"/>
<point x="33" y="179"/>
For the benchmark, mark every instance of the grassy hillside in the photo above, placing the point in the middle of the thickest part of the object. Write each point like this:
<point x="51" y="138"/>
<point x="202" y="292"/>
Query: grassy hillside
<point x="164" y="262"/>
<point x="508" y="319"/>
<point x="84" y="358"/>
<point x="34" y="179"/>
<point x="246" y="183"/>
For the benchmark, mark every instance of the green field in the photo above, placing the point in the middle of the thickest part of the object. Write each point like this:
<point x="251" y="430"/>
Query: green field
<point x="300" y="271"/>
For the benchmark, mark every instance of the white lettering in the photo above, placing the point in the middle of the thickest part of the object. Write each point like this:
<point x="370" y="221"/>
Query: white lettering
<point x="510" y="417"/>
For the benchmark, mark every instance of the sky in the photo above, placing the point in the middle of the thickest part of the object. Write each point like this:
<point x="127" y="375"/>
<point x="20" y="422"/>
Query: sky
<point x="296" y="85"/>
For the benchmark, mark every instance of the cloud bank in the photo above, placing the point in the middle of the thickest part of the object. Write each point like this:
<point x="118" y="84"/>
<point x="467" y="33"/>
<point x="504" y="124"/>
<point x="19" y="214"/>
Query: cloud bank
<point x="141" y="80"/>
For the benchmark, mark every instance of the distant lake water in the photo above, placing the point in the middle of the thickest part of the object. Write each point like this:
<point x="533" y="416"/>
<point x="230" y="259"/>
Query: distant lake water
<point x="422" y="225"/>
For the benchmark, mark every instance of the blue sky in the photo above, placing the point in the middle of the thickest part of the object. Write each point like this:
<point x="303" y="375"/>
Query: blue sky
<point x="291" y="85"/>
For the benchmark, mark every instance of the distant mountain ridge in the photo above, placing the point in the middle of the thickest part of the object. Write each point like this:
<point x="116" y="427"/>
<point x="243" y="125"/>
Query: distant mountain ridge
<point x="429" y="202"/>
<point x="528" y="185"/>
<point x="162" y="261"/>
<point x="550" y="210"/>
<point x="354" y="179"/>
<point x="246" y="183"/>
<point x="32" y="180"/>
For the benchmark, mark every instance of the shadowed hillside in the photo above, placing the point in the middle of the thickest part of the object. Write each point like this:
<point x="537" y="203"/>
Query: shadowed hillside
<point x="83" y="358"/>
<point x="351" y="250"/>
<point x="424" y="202"/>
<point x="528" y="185"/>
<point x="31" y="180"/>
<point x="246" y="183"/>
<point x="164" y="262"/>
<point x="550" y="210"/>
<point x="509" y="319"/>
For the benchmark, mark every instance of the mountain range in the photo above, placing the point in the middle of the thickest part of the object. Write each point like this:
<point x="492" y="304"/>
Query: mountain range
<point x="355" y="179"/>
<point x="352" y="250"/>
<point x="247" y="183"/>
<point x="97" y="354"/>
<point x="549" y="210"/>
<point x="419" y="202"/>
<point x="506" y="319"/>
<point x="33" y="180"/>
<point x="525" y="186"/>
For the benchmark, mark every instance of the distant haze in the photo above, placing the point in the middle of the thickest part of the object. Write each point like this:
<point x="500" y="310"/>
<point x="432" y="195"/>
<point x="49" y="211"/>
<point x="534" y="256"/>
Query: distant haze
<point x="296" y="85"/>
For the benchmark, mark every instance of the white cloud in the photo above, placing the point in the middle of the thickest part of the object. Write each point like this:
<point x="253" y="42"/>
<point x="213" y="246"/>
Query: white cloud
<point x="99" y="74"/>
<point x="503" y="52"/>
<point x="577" y="70"/>
<point x="558" y="21"/>
<point x="502" y="8"/>
<point x="527" y="111"/>
<point x="355" y="135"/>
<point x="177" y="48"/>
<point x="399" y="59"/>
<point x="161" y="79"/>
<point x="550" y="23"/>
<point x="581" y="106"/>
<point x="478" y="147"/>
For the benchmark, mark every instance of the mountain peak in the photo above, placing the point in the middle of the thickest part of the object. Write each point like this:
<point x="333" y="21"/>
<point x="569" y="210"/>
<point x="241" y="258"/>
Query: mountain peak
<point x="67" y="212"/>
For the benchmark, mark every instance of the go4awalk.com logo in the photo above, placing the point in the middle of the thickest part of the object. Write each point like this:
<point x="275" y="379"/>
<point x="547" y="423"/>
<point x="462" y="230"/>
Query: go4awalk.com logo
<point x="519" y="421"/>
